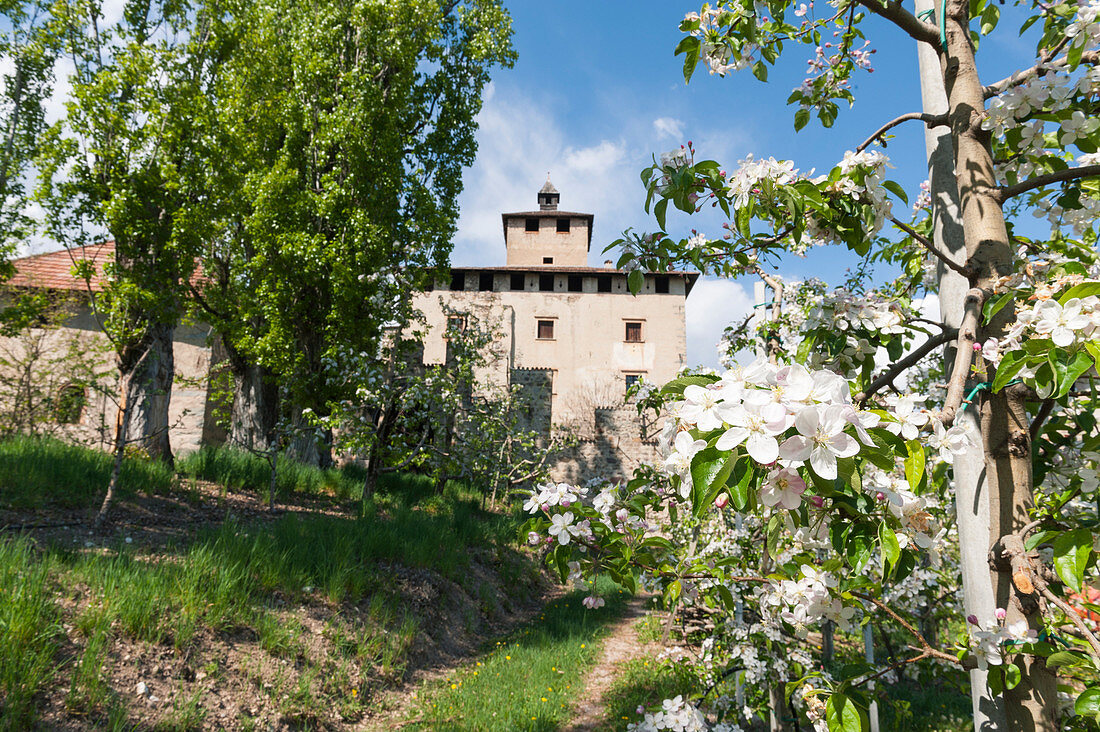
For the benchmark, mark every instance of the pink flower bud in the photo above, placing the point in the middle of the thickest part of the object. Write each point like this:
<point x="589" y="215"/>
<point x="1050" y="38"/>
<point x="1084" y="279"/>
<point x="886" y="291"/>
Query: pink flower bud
<point x="880" y="496"/>
<point x="972" y="619"/>
<point x="817" y="501"/>
<point x="721" y="501"/>
<point x="977" y="346"/>
<point x="1000" y="613"/>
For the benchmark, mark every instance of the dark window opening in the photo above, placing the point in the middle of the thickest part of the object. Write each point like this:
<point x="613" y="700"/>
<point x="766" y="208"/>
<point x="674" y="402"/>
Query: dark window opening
<point x="71" y="400"/>
<point x="546" y="283"/>
<point x="632" y="379"/>
<point x="660" y="284"/>
<point x="456" y="322"/>
<point x="458" y="280"/>
<point x="576" y="283"/>
<point x="531" y="224"/>
<point x="518" y="281"/>
<point x="563" y="226"/>
<point x="603" y="283"/>
<point x="485" y="282"/>
<point x="633" y="332"/>
<point x="546" y="330"/>
<point x="547" y="260"/>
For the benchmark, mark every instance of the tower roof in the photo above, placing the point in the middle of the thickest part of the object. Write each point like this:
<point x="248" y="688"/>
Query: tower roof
<point x="548" y="187"/>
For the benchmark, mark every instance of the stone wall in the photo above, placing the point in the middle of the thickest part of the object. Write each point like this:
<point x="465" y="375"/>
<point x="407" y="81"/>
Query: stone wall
<point x="621" y="442"/>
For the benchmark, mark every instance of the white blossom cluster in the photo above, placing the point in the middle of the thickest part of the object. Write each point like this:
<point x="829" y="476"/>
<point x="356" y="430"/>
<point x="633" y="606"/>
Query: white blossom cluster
<point x="872" y="163"/>
<point x="679" y="715"/>
<point x="1084" y="31"/>
<point x="717" y="55"/>
<point x="755" y="406"/>
<point x="1068" y="325"/>
<point x="751" y="174"/>
<point x="989" y="640"/>
<point x="807" y="601"/>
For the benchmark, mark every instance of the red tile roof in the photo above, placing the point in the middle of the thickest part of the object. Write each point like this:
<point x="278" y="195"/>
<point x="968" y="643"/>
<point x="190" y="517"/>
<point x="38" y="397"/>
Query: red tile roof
<point x="54" y="270"/>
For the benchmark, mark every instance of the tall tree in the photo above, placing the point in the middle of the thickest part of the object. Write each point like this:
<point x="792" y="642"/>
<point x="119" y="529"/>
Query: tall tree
<point x="343" y="130"/>
<point x="125" y="162"/>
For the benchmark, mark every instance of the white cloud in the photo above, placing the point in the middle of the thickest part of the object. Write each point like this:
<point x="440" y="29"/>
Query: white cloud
<point x="519" y="142"/>
<point x="669" y="127"/>
<point x="712" y="305"/>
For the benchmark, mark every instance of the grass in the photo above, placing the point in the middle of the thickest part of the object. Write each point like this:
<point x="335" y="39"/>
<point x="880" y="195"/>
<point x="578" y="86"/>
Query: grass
<point x="30" y="633"/>
<point x="241" y="582"/>
<point x="643" y="681"/>
<point x="41" y="471"/>
<point x="239" y="470"/>
<point x="528" y="681"/>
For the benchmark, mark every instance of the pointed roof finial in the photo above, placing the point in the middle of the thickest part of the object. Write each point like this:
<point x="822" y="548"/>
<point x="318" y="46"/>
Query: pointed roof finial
<point x="548" y="187"/>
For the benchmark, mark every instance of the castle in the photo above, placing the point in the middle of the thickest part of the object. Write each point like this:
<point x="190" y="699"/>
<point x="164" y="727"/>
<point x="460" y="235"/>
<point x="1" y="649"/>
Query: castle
<point x="573" y="338"/>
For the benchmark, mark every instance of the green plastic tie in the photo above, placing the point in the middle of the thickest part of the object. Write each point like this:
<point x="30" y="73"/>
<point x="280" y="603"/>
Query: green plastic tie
<point x="764" y="304"/>
<point x="978" y="387"/>
<point x="928" y="15"/>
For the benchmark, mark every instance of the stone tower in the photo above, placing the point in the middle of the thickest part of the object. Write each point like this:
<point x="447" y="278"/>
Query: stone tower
<point x="547" y="237"/>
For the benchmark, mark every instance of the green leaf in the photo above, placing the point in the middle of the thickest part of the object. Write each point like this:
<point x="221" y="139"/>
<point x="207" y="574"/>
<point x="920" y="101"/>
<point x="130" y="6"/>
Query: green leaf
<point x="740" y="482"/>
<point x="1094" y="350"/>
<point x="801" y="118"/>
<point x="891" y="549"/>
<point x="660" y="211"/>
<point x="1073" y="54"/>
<point x="676" y="386"/>
<point x="1067" y="658"/>
<point x="1088" y="704"/>
<point x="635" y="281"/>
<point x="914" y="463"/>
<point x="1081" y="363"/>
<point x="1012" y="675"/>
<point x="689" y="46"/>
<point x="990" y="16"/>
<point x="1082" y="290"/>
<point x="896" y="189"/>
<point x="1071" y="555"/>
<point x="710" y="466"/>
<point x="995" y="305"/>
<point x="1010" y="365"/>
<point x="760" y="71"/>
<point x="842" y="714"/>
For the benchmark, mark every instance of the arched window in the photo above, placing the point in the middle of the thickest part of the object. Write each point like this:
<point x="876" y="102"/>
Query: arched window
<point x="69" y="405"/>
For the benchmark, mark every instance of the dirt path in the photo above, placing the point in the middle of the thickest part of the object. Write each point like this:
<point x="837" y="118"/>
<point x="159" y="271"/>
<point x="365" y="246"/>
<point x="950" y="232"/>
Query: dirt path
<point x="621" y="645"/>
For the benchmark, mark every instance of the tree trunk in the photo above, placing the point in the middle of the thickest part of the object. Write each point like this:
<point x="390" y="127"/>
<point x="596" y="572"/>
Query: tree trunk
<point x="148" y="369"/>
<point x="971" y="497"/>
<point x="1032" y="705"/>
<point x="304" y="445"/>
<point x="255" y="409"/>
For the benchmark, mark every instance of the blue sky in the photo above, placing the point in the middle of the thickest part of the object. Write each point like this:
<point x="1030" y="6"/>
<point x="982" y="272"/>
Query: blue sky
<point x="596" y="92"/>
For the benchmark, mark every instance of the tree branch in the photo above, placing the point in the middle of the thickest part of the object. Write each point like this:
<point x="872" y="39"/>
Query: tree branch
<point x="923" y="241"/>
<point x="932" y="120"/>
<point x="964" y="355"/>
<point x="1020" y="77"/>
<point x="1085" y="171"/>
<point x="1074" y="618"/>
<point x="895" y="370"/>
<point x="892" y="10"/>
<point x="925" y="646"/>
<point x="1040" y="417"/>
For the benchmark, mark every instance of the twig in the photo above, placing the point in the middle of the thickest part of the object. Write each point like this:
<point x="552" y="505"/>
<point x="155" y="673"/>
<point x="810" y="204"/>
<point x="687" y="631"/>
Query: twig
<point x="892" y="667"/>
<point x="1020" y="77"/>
<point x="1004" y="193"/>
<point x="1040" y="417"/>
<point x="925" y="646"/>
<point x="924" y="242"/>
<point x="1073" y="618"/>
<point x="932" y="120"/>
<point x="964" y="355"/>
<point x="892" y="10"/>
<point x="892" y="372"/>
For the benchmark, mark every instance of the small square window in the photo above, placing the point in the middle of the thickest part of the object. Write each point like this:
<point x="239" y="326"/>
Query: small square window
<point x="458" y="280"/>
<point x="576" y="283"/>
<point x="660" y="284"/>
<point x="546" y="283"/>
<point x="456" y="322"/>
<point x="546" y="330"/>
<point x="485" y="282"/>
<point x="518" y="281"/>
<point x="547" y="260"/>
<point x="563" y="226"/>
<point x="532" y="224"/>
<point x="632" y="379"/>
<point x="603" y="283"/>
<point x="633" y="332"/>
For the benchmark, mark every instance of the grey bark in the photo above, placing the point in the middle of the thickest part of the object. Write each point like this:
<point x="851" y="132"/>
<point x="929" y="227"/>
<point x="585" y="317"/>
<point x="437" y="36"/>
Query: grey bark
<point x="255" y="410"/>
<point x="971" y="492"/>
<point x="148" y="370"/>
